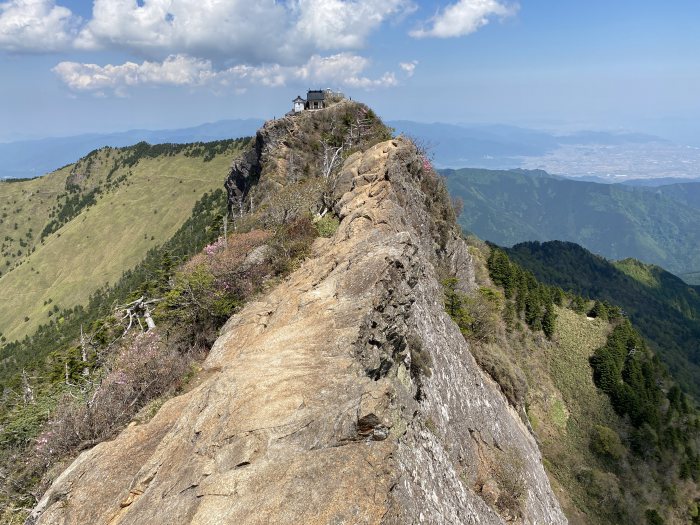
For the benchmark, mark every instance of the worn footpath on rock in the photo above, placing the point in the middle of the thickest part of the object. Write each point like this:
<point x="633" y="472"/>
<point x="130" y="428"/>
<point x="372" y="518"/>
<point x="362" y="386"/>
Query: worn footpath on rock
<point x="310" y="409"/>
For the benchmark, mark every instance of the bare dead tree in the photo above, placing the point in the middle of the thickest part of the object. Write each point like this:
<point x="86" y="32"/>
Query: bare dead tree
<point x="135" y="311"/>
<point x="359" y="128"/>
<point x="27" y="390"/>
<point x="83" y="352"/>
<point x="331" y="158"/>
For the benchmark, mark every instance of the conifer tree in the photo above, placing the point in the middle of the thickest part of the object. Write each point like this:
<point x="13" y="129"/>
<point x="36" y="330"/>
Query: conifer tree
<point x="549" y="320"/>
<point x="599" y="310"/>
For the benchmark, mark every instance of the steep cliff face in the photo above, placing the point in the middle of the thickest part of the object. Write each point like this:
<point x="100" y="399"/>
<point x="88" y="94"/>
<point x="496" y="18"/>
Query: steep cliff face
<point x="344" y="395"/>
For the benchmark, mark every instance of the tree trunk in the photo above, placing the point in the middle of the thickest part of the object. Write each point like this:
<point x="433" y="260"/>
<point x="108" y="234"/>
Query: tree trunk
<point x="83" y="353"/>
<point x="149" y="320"/>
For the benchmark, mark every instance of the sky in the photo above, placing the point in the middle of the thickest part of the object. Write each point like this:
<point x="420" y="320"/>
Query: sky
<point x="78" y="66"/>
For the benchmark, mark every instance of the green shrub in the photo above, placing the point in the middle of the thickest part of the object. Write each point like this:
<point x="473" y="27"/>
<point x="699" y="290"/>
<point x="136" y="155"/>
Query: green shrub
<point x="605" y="442"/>
<point x="476" y="315"/>
<point x="478" y="318"/>
<point x="327" y="225"/>
<point x="624" y="370"/>
<point x="653" y="517"/>
<point x="599" y="310"/>
<point x="531" y="300"/>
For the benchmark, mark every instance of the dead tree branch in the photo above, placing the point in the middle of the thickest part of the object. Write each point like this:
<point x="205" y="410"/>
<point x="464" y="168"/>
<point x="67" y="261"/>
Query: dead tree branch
<point x="135" y="311"/>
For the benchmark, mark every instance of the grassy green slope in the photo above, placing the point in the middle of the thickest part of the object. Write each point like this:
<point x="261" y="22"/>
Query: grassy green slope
<point x="155" y="196"/>
<point x="564" y="406"/>
<point x="567" y="412"/>
<point x="664" y="308"/>
<point x="507" y="207"/>
<point x="24" y="210"/>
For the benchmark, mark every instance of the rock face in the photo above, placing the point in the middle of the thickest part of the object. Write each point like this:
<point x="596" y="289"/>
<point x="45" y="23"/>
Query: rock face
<point x="346" y="395"/>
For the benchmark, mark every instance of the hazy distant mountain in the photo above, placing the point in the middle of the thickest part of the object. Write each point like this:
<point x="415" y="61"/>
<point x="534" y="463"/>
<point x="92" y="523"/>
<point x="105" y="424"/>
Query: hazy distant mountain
<point x="502" y="146"/>
<point x="606" y="138"/>
<point x="490" y="146"/>
<point x="661" y="181"/>
<point x="656" y="225"/>
<point x="688" y="192"/>
<point x="31" y="158"/>
<point x="484" y="145"/>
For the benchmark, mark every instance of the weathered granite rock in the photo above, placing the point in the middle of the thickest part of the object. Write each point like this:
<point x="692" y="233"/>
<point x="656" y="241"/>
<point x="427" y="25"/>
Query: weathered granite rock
<point x="346" y="395"/>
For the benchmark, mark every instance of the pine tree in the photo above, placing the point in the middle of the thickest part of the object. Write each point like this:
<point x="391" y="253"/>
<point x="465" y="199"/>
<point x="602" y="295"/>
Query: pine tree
<point x="599" y="310"/>
<point x="549" y="320"/>
<point x="453" y="303"/>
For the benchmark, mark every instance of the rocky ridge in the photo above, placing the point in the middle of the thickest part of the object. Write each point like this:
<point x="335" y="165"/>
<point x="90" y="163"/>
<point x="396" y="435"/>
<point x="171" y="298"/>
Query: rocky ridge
<point x="344" y="395"/>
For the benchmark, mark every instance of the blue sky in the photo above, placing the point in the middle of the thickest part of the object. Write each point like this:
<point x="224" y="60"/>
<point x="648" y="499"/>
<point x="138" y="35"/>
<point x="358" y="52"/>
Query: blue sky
<point x="72" y="66"/>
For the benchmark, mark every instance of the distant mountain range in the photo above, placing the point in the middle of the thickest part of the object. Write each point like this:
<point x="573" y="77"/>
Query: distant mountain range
<point x="452" y="146"/>
<point x="32" y="158"/>
<point x="661" y="181"/>
<point x="659" y="225"/>
<point x="501" y="146"/>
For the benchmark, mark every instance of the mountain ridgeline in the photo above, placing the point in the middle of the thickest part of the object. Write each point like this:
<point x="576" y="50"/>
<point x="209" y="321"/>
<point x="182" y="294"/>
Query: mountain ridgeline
<point x="32" y="158"/>
<point x="122" y="201"/>
<point x="656" y="225"/>
<point x="328" y="362"/>
<point x="323" y="327"/>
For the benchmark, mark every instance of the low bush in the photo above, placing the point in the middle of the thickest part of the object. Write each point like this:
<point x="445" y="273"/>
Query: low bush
<point x="143" y="369"/>
<point x="509" y="474"/>
<point x="493" y="360"/>
<point x="327" y="225"/>
<point x="292" y="243"/>
<point x="127" y="369"/>
<point x="421" y="360"/>
<point x="214" y="283"/>
<point x="478" y="317"/>
<point x="606" y="444"/>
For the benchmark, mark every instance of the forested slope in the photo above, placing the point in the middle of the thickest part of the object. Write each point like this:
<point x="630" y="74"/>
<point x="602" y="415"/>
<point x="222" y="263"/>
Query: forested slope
<point x="613" y="220"/>
<point x="662" y="307"/>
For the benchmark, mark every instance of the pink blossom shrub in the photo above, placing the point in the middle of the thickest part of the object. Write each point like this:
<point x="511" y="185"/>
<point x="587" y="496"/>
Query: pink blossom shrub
<point x="142" y="369"/>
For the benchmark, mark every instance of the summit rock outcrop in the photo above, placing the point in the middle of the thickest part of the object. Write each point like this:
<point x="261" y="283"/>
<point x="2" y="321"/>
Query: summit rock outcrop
<point x="344" y="395"/>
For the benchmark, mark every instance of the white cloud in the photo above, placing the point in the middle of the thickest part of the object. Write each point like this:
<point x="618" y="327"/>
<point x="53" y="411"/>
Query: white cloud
<point x="237" y="43"/>
<point x="409" y="67"/>
<point x="177" y="70"/>
<point x="270" y="75"/>
<point x="464" y="17"/>
<point x="343" y="69"/>
<point x="257" y="32"/>
<point x="239" y="29"/>
<point x="36" y="25"/>
<point x="339" y="24"/>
